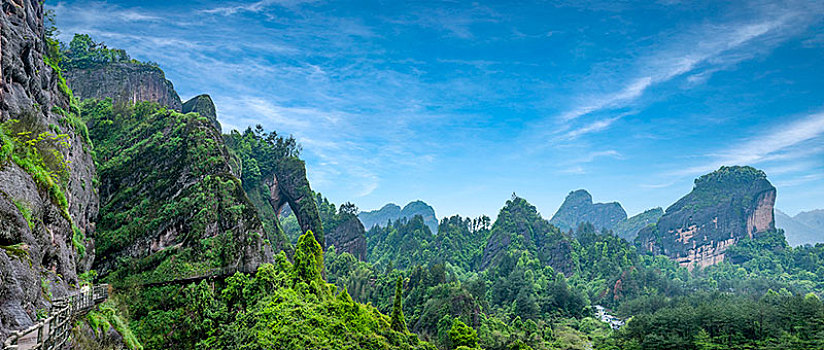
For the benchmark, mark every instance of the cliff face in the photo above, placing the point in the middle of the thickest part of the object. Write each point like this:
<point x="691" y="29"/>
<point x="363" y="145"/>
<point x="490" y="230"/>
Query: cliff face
<point x="349" y="237"/>
<point x="290" y="185"/>
<point x="393" y="212"/>
<point x="39" y="217"/>
<point x="723" y="207"/>
<point x="171" y="206"/>
<point x="203" y="105"/>
<point x="578" y="208"/>
<point x="124" y="82"/>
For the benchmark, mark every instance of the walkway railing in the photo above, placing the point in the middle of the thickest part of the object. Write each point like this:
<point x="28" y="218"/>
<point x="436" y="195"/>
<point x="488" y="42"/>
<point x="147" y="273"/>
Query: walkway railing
<point x="53" y="332"/>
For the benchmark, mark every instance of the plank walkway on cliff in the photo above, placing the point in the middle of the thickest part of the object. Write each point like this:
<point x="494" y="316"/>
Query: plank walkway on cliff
<point x="53" y="332"/>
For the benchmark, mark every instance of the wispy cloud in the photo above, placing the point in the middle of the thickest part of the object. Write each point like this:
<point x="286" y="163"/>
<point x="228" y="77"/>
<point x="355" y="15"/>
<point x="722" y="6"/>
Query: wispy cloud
<point x="766" y="146"/>
<point x="255" y="7"/>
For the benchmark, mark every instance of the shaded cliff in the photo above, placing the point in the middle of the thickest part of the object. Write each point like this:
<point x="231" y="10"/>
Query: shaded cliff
<point x="724" y="206"/>
<point x="171" y="207"/>
<point x="393" y="212"/>
<point x="629" y="227"/>
<point x="578" y="208"/>
<point x="520" y="227"/>
<point x="128" y="82"/>
<point x="274" y="177"/>
<point x="203" y="105"/>
<point x="48" y="201"/>
<point x="343" y="229"/>
<point x="349" y="237"/>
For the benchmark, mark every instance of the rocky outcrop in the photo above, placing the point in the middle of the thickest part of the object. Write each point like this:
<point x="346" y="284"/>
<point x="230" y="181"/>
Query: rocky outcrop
<point x="392" y="212"/>
<point x="171" y="205"/>
<point x="203" y="105"/>
<point x="38" y="260"/>
<point x="578" y="208"/>
<point x="519" y="227"/>
<point x="290" y="185"/>
<point x="124" y="82"/>
<point x="349" y="237"/>
<point x="724" y="206"/>
<point x="628" y="228"/>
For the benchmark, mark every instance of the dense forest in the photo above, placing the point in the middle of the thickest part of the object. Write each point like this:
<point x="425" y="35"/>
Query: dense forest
<point x="179" y="199"/>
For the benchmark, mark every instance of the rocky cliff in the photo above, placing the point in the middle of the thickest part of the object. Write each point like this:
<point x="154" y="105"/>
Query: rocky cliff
<point x="203" y="105"/>
<point x="44" y="220"/>
<point x="724" y="206"/>
<point x="578" y="207"/>
<point x="171" y="206"/>
<point x="350" y="237"/>
<point x="128" y="82"/>
<point x="393" y="212"/>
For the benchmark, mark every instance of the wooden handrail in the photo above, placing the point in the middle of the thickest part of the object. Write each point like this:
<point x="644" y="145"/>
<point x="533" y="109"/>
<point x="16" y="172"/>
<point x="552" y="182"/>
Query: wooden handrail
<point x="53" y="332"/>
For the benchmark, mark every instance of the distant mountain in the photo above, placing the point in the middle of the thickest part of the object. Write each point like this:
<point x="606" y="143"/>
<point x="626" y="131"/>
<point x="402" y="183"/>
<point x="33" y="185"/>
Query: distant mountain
<point x="393" y="212"/>
<point x="578" y="208"/>
<point x="724" y="207"/>
<point x="804" y="228"/>
<point x="628" y="228"/>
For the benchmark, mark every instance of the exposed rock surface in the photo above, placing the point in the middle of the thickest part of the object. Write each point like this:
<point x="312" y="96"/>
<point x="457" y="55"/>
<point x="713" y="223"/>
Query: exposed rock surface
<point x="803" y="228"/>
<point x="124" y="82"/>
<point x="628" y="228"/>
<point x="37" y="261"/>
<point x="349" y="237"/>
<point x="393" y="212"/>
<point x="203" y="105"/>
<point x="578" y="208"/>
<point x="724" y="206"/>
<point x="170" y="200"/>
<point x="290" y="185"/>
<point x="520" y="227"/>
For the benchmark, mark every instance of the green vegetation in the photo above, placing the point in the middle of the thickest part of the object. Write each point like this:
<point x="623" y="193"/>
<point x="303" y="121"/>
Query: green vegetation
<point x="25" y="211"/>
<point x="284" y="305"/>
<point x="107" y="316"/>
<point x="84" y="52"/>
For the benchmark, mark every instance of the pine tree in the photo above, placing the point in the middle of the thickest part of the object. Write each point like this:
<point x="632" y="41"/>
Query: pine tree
<point x="398" y="322"/>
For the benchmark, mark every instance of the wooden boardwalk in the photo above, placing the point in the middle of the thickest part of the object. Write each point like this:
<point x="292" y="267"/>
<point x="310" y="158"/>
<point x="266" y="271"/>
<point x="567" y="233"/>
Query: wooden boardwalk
<point x="53" y="332"/>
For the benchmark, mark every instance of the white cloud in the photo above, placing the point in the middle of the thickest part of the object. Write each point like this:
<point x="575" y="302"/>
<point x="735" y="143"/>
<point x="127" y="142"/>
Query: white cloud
<point x="771" y="145"/>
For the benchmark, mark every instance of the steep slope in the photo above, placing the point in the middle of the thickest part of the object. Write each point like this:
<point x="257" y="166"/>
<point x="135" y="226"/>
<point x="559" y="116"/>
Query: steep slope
<point x="274" y="176"/>
<point x="804" y="228"/>
<point x="578" y="208"/>
<point x="724" y="206"/>
<point x="519" y="227"/>
<point x="392" y="212"/>
<point x="344" y="231"/>
<point x="171" y="206"/>
<point x="48" y="203"/>
<point x="628" y="228"/>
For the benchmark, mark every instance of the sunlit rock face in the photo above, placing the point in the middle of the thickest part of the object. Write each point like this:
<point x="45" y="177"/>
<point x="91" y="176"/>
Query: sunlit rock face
<point x="724" y="206"/>
<point x="124" y="82"/>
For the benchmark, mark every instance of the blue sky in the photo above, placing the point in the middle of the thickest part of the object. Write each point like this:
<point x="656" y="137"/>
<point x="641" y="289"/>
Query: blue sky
<point x="462" y="103"/>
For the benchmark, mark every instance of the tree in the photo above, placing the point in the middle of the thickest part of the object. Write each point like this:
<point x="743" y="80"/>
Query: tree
<point x="398" y="321"/>
<point x="308" y="267"/>
<point x="462" y="335"/>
